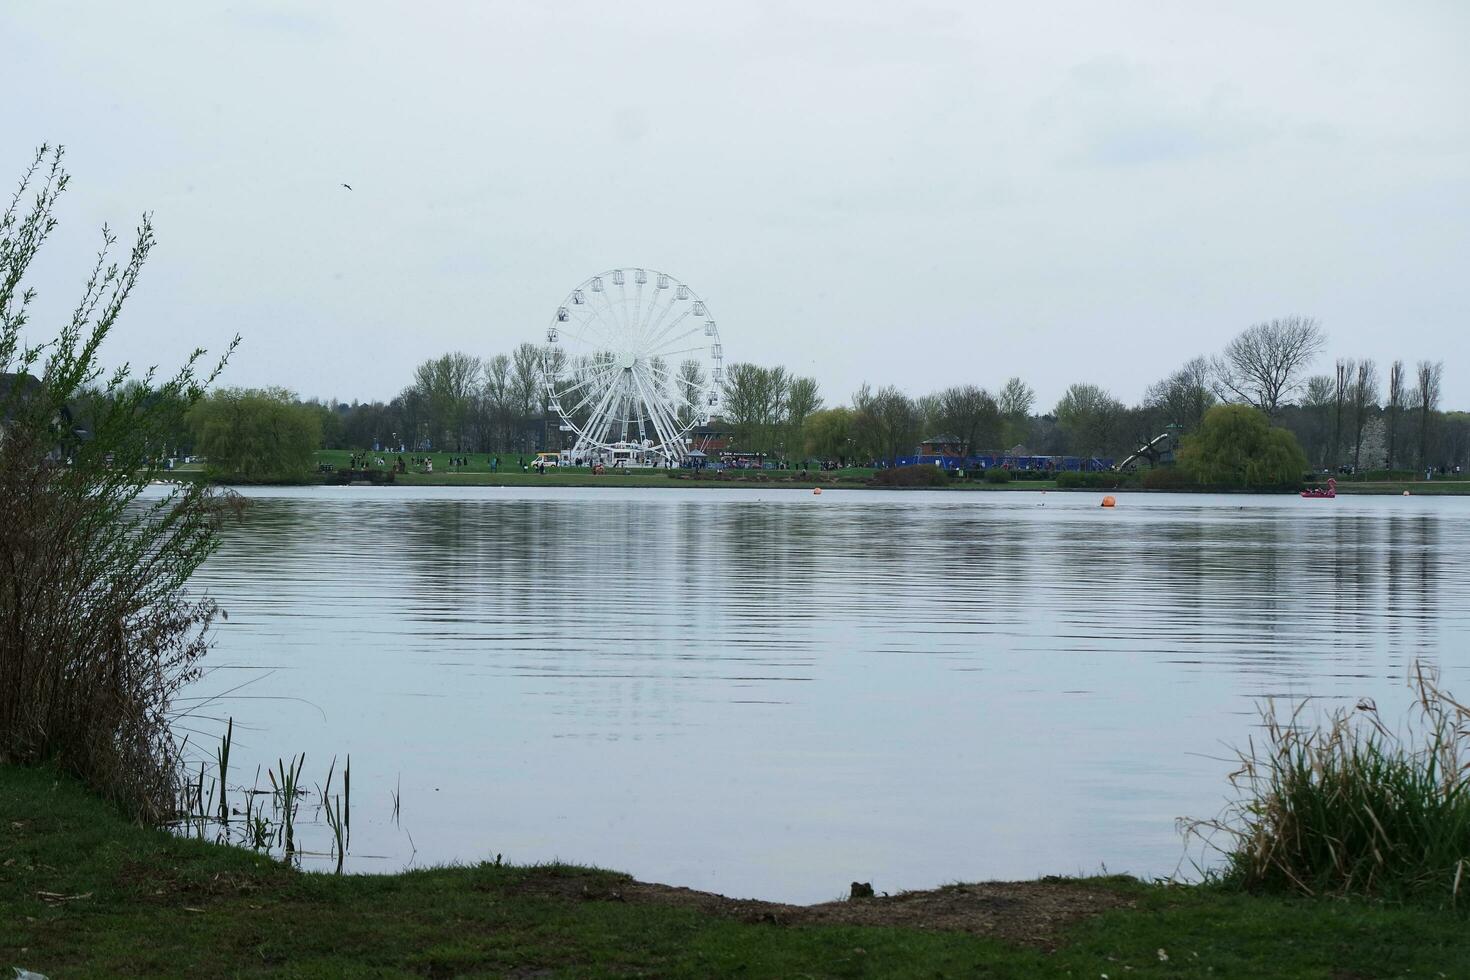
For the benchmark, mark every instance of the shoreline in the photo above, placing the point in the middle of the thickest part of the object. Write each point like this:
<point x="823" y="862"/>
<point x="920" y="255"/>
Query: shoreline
<point x="1445" y="488"/>
<point x="83" y="892"/>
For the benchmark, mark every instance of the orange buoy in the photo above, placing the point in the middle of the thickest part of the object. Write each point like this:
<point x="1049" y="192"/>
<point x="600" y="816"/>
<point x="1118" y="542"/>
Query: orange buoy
<point x="1110" y="501"/>
<point x="817" y="491"/>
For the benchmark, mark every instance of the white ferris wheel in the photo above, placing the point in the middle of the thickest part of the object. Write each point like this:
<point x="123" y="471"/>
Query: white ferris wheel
<point x="632" y="362"/>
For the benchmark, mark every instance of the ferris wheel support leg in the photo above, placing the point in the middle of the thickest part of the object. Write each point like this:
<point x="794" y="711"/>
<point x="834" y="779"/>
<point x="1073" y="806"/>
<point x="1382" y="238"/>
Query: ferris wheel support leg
<point x="666" y="436"/>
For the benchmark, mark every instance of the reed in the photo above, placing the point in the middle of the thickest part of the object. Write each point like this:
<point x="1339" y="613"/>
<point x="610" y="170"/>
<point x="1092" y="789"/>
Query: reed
<point x="338" y="815"/>
<point x="333" y="809"/>
<point x="287" y="789"/>
<point x="222" y="759"/>
<point x="1347" y="805"/>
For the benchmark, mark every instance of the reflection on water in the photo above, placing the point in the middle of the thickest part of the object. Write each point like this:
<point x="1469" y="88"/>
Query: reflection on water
<point x="767" y="692"/>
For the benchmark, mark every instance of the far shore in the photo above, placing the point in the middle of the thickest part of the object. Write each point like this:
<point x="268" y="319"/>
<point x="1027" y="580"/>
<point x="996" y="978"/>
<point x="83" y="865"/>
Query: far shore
<point x="479" y="473"/>
<point x="787" y="479"/>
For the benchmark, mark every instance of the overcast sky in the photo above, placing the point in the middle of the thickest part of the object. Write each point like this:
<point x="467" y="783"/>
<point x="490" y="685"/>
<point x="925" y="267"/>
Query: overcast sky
<point x="916" y="194"/>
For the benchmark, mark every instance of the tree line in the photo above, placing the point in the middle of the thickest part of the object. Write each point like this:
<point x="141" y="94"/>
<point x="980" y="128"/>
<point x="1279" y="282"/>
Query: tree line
<point x="1344" y="421"/>
<point x="1355" y="418"/>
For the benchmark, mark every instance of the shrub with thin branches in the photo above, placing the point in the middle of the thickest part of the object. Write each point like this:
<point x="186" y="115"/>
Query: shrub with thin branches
<point x="97" y="631"/>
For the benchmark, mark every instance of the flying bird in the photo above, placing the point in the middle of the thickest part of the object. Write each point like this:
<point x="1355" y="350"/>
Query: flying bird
<point x="348" y="186"/>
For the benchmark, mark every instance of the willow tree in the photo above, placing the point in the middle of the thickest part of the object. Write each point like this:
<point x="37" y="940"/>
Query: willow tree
<point x="97" y="631"/>
<point x="1238" y="447"/>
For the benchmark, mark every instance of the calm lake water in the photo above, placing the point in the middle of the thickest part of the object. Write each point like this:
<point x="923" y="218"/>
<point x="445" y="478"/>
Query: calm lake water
<point x="769" y="693"/>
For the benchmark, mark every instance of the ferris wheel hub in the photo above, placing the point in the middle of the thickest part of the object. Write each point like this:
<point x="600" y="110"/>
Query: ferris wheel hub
<point x="626" y="360"/>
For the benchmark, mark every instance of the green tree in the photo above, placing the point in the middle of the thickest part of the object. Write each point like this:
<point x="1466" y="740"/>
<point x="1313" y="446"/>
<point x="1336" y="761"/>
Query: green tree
<point x="258" y="436"/>
<point x="330" y="419"/>
<point x="1016" y="400"/>
<point x="970" y="415"/>
<point x="1236" y="446"/>
<point x="755" y="405"/>
<point x="97" y="630"/>
<point x="828" y="435"/>
<point x="1091" y="418"/>
<point x="887" y="422"/>
<point x="802" y="399"/>
<point x="448" y="385"/>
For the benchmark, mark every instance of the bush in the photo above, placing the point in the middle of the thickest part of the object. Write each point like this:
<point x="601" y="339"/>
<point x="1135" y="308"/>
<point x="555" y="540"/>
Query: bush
<point x="1078" y="480"/>
<point x="911" y="476"/>
<point x="996" y="474"/>
<point x="1237" y="448"/>
<point x="96" y="630"/>
<point x="1347" y="806"/>
<point x="1167" y="478"/>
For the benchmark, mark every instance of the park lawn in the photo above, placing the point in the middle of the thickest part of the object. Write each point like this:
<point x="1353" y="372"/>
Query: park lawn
<point x="1438" y="488"/>
<point x="84" y="893"/>
<point x="478" y="473"/>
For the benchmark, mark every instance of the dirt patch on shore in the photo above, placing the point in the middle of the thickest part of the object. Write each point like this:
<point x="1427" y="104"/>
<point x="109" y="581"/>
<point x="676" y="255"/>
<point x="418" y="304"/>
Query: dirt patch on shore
<point x="1030" y="913"/>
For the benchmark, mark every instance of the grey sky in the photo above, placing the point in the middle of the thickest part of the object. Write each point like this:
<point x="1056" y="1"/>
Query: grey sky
<point x="910" y="194"/>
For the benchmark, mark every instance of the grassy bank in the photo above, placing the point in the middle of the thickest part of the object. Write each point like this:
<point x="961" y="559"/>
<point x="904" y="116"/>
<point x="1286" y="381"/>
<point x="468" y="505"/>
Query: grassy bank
<point x="479" y="473"/>
<point x="1439" y="488"/>
<point x="83" y="893"/>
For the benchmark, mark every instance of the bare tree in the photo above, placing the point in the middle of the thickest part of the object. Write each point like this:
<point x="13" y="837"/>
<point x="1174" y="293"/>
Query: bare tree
<point x="1365" y="401"/>
<point x="499" y="400"/>
<point x="1317" y="403"/>
<point x="1265" y="364"/>
<point x="689" y="384"/>
<point x="1342" y="384"/>
<point x="1397" y="398"/>
<point x="526" y="378"/>
<point x="1184" y="396"/>
<point x="887" y="421"/>
<point x="1426" y="400"/>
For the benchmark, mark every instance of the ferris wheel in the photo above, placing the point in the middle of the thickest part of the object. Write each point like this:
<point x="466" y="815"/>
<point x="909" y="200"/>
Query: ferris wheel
<point x="632" y="362"/>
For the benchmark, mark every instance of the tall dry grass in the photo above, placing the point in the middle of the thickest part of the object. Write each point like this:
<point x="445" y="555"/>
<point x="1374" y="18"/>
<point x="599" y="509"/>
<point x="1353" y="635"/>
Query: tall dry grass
<point x="1346" y="804"/>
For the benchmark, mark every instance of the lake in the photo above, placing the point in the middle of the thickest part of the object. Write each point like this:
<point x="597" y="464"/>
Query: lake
<point x="770" y="693"/>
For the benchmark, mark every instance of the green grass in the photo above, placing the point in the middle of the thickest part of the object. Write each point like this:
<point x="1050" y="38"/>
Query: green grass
<point x="85" y="894"/>
<point x="1432" y="488"/>
<point x="479" y="474"/>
